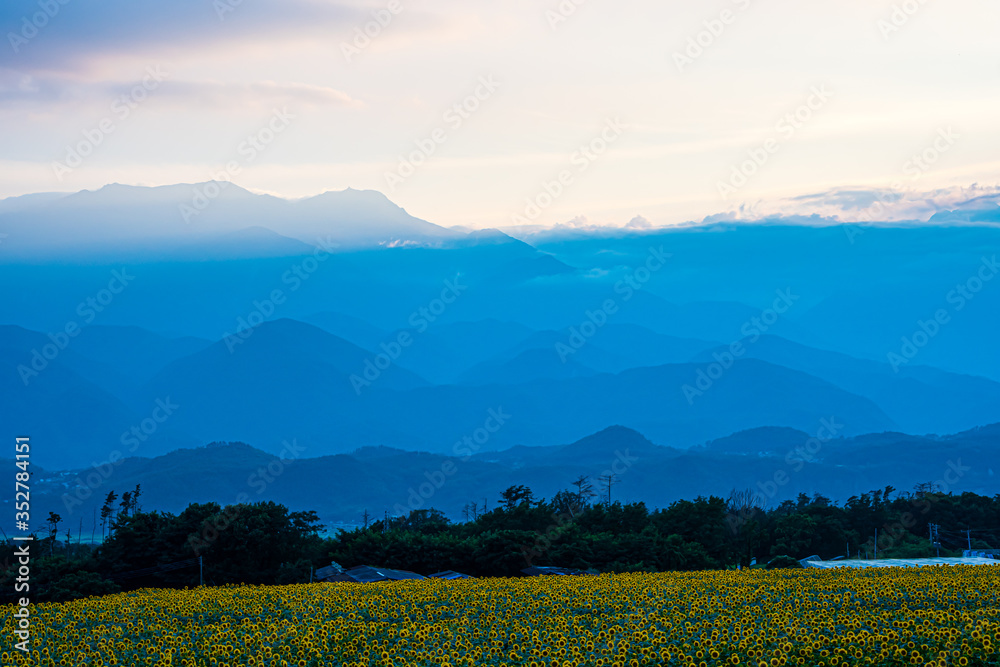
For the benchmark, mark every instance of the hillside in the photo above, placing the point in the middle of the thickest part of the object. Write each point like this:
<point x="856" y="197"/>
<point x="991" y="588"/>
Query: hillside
<point x="340" y="488"/>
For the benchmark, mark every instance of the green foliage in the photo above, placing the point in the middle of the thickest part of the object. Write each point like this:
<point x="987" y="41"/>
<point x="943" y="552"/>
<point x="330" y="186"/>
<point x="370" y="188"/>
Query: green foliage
<point x="784" y="563"/>
<point x="250" y="543"/>
<point x="56" y="579"/>
<point x="294" y="573"/>
<point x="266" y="543"/>
<point x="515" y="496"/>
<point x="80" y="585"/>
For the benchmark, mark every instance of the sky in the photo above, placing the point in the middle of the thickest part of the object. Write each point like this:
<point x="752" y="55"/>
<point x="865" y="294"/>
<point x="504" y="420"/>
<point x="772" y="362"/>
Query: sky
<point x="499" y="114"/>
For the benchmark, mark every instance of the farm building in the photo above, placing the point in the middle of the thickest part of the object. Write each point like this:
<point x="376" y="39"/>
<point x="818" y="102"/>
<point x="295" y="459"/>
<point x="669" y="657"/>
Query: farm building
<point x="536" y="571"/>
<point x="897" y="562"/>
<point x="448" y="574"/>
<point x="365" y="574"/>
<point x="332" y="572"/>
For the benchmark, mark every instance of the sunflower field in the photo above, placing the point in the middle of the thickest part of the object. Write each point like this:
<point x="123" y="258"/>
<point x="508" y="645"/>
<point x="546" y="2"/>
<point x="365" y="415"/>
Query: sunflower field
<point x="928" y="616"/>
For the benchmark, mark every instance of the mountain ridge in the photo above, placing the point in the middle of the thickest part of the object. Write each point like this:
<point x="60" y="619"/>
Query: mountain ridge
<point x="341" y="487"/>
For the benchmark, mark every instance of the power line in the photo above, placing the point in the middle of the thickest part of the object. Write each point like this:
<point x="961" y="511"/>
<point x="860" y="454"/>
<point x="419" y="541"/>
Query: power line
<point x="954" y="537"/>
<point x="935" y="537"/>
<point x="972" y="530"/>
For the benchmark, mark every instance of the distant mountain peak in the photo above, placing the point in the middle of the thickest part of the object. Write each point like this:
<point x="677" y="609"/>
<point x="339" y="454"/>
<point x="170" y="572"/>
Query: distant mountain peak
<point x="491" y="233"/>
<point x="616" y="437"/>
<point x="172" y="219"/>
<point x="354" y="197"/>
<point x="619" y="431"/>
<point x="987" y="430"/>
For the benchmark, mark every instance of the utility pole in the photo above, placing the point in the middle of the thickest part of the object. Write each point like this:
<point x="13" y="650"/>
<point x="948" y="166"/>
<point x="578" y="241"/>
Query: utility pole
<point x="968" y="536"/>
<point x="608" y="481"/>
<point x="201" y="572"/>
<point x="876" y="544"/>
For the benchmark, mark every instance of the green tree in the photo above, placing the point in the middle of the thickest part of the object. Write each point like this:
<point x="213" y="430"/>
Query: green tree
<point x="107" y="511"/>
<point x="514" y="496"/>
<point x="53" y="523"/>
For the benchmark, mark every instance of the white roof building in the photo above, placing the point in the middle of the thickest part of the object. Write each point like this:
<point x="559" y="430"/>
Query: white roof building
<point x="897" y="562"/>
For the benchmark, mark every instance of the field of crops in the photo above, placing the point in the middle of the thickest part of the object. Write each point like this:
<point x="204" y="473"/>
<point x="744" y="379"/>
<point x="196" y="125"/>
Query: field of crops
<point x="936" y="616"/>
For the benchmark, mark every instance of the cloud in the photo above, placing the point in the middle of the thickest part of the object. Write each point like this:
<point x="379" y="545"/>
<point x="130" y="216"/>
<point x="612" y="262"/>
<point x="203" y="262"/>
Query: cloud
<point x="73" y="33"/>
<point x="211" y="93"/>
<point x="17" y="86"/>
<point x="54" y="89"/>
<point x="846" y="199"/>
<point x="973" y="204"/>
<point x="857" y="204"/>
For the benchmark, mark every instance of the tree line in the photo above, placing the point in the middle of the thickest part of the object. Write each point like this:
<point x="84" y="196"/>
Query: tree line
<point x="266" y="543"/>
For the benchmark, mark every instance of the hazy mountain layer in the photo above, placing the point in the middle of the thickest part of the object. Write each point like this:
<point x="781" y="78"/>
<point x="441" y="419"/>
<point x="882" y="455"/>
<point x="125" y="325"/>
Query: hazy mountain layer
<point x="775" y="464"/>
